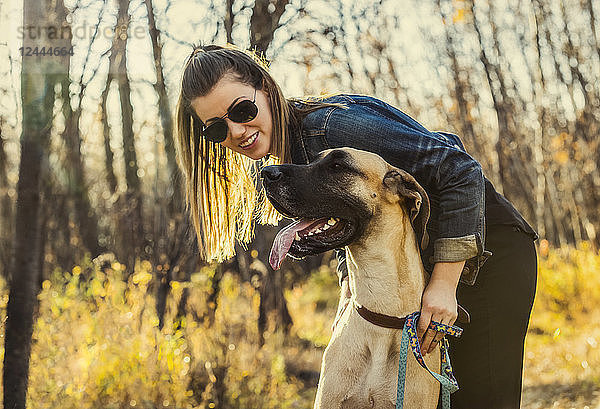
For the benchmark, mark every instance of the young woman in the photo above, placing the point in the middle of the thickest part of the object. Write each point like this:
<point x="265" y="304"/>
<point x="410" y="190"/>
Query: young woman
<point x="233" y="119"/>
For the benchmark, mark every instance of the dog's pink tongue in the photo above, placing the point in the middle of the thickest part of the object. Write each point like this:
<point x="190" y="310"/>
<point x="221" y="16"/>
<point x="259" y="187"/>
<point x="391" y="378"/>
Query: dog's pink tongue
<point x="283" y="241"/>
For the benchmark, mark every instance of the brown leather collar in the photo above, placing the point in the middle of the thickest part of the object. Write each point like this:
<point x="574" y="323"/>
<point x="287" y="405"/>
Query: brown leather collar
<point x="382" y="320"/>
<point x="389" y="321"/>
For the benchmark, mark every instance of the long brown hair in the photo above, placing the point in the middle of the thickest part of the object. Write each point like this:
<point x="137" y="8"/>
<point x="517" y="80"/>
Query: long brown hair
<point x="220" y="184"/>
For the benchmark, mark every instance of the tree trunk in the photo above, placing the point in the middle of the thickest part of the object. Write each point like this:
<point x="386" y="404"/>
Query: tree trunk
<point x="37" y="95"/>
<point x="590" y="10"/>
<point x="573" y="53"/>
<point x="166" y="117"/>
<point x="503" y="166"/>
<point x="169" y="211"/>
<point x="86" y="219"/>
<point x="111" y="179"/>
<point x="540" y="136"/>
<point x="6" y="228"/>
<point x="466" y="127"/>
<point x="264" y="22"/>
<point x="131" y="229"/>
<point x="229" y="17"/>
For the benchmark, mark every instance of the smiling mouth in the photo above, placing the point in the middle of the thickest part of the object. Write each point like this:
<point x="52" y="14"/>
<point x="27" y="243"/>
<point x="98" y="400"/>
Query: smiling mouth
<point x="249" y="141"/>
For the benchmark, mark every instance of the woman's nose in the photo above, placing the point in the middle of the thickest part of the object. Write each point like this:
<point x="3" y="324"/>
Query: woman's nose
<point x="236" y="130"/>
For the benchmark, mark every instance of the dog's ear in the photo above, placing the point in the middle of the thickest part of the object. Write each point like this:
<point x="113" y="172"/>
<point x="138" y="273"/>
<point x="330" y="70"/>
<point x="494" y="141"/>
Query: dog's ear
<point x="416" y="199"/>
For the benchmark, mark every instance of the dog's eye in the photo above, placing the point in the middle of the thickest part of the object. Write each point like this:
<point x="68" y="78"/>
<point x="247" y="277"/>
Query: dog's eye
<point x="336" y="166"/>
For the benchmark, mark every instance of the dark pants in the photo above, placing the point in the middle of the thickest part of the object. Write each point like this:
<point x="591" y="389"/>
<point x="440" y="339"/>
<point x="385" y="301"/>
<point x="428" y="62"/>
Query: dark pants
<point x="488" y="358"/>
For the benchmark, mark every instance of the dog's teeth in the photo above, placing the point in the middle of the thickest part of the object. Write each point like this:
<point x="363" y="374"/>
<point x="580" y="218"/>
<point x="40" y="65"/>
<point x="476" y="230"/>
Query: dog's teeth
<point x="326" y="227"/>
<point x="331" y="222"/>
<point x="297" y="237"/>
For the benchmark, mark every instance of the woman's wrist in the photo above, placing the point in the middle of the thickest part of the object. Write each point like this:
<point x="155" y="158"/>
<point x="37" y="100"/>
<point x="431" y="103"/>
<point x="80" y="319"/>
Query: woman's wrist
<point x="439" y="302"/>
<point x="447" y="274"/>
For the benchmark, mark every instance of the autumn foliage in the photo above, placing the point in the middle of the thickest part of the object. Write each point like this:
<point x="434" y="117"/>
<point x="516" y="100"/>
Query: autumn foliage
<point x="97" y="344"/>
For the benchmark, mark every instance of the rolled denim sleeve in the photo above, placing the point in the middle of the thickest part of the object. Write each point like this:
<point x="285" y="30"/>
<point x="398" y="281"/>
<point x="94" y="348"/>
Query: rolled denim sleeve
<point x="461" y="215"/>
<point x="452" y="249"/>
<point x="453" y="179"/>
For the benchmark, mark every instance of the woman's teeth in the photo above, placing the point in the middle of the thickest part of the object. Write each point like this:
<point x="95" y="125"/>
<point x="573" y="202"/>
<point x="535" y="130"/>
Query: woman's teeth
<point x="249" y="141"/>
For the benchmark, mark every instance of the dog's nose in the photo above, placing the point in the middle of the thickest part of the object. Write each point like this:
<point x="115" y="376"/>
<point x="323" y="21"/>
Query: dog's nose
<point x="271" y="173"/>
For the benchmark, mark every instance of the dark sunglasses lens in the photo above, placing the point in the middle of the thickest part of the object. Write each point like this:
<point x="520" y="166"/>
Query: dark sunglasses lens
<point x="216" y="132"/>
<point x="245" y="111"/>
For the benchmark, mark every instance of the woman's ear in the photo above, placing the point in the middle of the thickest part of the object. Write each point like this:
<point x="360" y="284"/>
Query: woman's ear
<point x="415" y="199"/>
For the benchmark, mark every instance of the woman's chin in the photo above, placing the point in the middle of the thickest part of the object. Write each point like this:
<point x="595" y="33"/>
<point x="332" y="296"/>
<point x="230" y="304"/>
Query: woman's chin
<point x="257" y="152"/>
<point x="259" y="156"/>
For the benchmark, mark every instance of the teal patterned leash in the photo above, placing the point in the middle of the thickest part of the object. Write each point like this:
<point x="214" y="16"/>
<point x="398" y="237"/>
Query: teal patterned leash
<point x="409" y="336"/>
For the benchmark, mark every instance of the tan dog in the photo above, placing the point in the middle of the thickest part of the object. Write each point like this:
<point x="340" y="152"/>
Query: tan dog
<point x="347" y="197"/>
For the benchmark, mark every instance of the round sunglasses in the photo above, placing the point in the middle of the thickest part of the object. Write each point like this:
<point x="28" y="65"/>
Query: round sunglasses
<point x="242" y="112"/>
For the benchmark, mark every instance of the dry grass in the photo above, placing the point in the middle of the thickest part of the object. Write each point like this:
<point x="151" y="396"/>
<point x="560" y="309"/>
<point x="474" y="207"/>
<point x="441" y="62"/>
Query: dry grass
<point x="97" y="342"/>
<point x="562" y="358"/>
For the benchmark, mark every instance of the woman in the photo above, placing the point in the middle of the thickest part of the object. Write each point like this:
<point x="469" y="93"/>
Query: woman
<point x="231" y="114"/>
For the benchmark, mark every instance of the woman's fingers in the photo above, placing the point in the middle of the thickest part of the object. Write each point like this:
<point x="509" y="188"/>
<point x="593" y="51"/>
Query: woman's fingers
<point x="427" y="344"/>
<point x="431" y="337"/>
<point x="439" y="335"/>
<point x="422" y="325"/>
<point x="436" y="339"/>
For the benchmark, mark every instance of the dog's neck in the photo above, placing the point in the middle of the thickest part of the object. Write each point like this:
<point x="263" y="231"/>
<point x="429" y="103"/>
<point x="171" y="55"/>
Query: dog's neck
<point x="386" y="273"/>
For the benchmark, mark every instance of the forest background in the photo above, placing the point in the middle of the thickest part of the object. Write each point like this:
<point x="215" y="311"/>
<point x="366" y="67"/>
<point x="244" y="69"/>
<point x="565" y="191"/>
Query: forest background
<point x="103" y="300"/>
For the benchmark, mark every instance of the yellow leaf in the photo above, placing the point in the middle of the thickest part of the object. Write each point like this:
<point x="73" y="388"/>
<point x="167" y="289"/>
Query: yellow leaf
<point x="459" y="16"/>
<point x="561" y="157"/>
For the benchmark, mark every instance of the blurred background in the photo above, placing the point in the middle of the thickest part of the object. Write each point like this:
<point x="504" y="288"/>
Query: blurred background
<point x="108" y="303"/>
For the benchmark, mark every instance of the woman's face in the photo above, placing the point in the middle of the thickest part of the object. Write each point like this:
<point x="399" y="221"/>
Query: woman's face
<point x="253" y="138"/>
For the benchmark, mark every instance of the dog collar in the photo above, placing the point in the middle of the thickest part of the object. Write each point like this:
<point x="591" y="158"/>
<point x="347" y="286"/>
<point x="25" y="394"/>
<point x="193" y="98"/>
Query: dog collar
<point x="382" y="320"/>
<point x="389" y="321"/>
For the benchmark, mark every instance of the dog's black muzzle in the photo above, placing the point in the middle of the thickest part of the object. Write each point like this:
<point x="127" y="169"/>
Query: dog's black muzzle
<point x="311" y="192"/>
<point x="284" y="188"/>
<point x="271" y="174"/>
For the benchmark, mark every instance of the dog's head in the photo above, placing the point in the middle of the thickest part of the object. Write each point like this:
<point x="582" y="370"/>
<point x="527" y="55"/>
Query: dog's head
<point x="335" y="198"/>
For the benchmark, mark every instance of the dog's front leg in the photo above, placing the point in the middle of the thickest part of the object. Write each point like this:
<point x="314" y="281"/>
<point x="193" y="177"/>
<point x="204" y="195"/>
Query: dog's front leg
<point x="332" y="387"/>
<point x="339" y="367"/>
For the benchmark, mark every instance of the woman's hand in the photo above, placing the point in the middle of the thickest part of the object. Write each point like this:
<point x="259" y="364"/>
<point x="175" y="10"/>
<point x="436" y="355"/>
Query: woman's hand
<point x="438" y="303"/>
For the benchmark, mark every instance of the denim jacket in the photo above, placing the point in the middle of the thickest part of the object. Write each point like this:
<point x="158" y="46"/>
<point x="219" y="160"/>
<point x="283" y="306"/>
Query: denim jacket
<point x="454" y="181"/>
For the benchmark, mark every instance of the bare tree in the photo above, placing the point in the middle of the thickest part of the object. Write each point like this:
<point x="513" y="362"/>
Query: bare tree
<point x="228" y="21"/>
<point x="76" y="184"/>
<point x="37" y="97"/>
<point x="130" y="236"/>
<point x="111" y="178"/>
<point x="173" y="253"/>
<point x="5" y="208"/>
<point x="264" y="21"/>
<point x="461" y="88"/>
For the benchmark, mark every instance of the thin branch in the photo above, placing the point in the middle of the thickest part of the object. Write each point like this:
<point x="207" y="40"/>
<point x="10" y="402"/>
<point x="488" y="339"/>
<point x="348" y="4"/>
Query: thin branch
<point x="178" y="41"/>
